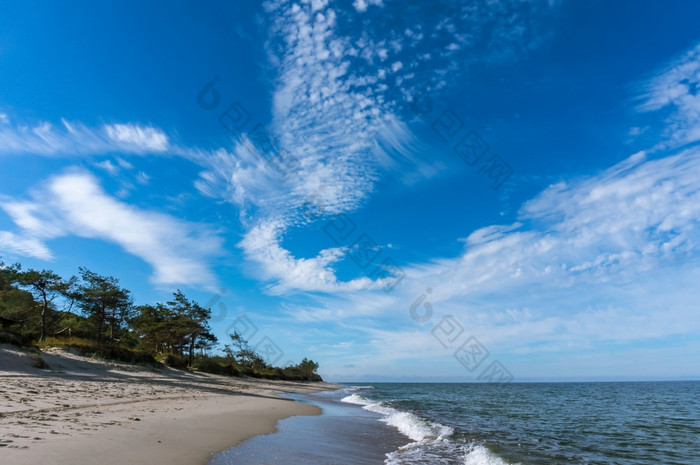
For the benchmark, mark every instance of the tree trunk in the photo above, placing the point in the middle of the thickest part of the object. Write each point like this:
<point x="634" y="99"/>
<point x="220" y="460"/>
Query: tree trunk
<point x="100" y="326"/>
<point x="43" y="320"/>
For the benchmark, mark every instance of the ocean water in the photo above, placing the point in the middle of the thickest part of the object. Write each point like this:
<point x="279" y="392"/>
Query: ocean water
<point x="489" y="424"/>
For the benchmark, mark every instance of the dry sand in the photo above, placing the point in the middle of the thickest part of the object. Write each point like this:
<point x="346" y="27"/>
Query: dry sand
<point x="84" y="411"/>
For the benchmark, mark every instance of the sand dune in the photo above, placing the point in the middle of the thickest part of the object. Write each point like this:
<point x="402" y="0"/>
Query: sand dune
<point x="84" y="411"/>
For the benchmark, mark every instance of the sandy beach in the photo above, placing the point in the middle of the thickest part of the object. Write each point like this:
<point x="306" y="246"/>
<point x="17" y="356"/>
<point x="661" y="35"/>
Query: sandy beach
<point x="85" y="411"/>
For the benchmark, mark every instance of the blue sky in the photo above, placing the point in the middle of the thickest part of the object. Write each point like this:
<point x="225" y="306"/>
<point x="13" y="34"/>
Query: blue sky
<point x="311" y="169"/>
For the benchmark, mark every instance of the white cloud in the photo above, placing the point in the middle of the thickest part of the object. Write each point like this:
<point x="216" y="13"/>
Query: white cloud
<point x="124" y="164"/>
<point x="606" y="261"/>
<point x="634" y="217"/>
<point x="329" y="129"/>
<point x="590" y="268"/>
<point x="142" y="178"/>
<point x="676" y="89"/>
<point x="242" y="178"/>
<point x="73" y="139"/>
<point x="262" y="245"/>
<point x="74" y="204"/>
<point x="341" y="127"/>
<point x="318" y="4"/>
<point x="361" y="5"/>
<point x="4" y="119"/>
<point x="337" y="116"/>
<point x="136" y="138"/>
<point x="23" y="246"/>
<point x="108" y="166"/>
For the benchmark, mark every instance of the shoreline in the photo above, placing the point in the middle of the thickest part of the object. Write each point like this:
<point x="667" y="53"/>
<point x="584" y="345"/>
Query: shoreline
<point x="84" y="411"/>
<point x="345" y="433"/>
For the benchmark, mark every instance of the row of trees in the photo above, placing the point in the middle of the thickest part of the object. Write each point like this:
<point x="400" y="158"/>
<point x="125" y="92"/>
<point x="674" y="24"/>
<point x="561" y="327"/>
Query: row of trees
<point x="179" y="326"/>
<point x="41" y="304"/>
<point x="36" y="304"/>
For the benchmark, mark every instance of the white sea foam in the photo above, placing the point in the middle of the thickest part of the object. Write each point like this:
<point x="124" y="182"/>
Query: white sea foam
<point x="356" y="399"/>
<point x="480" y="455"/>
<point x="353" y="389"/>
<point x="407" y="423"/>
<point x="431" y="440"/>
<point x="443" y="452"/>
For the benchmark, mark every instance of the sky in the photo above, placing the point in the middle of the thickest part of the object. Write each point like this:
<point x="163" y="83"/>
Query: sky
<point x="401" y="191"/>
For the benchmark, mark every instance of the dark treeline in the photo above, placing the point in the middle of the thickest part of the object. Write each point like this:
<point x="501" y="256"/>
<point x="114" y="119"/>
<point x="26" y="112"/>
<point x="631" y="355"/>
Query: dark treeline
<point x="95" y="315"/>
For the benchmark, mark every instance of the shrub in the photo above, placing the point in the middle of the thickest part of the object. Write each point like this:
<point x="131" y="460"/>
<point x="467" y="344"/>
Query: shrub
<point x="210" y="366"/>
<point x="39" y="362"/>
<point x="119" y="354"/>
<point x="248" y="371"/>
<point x="14" y="339"/>
<point x="87" y="348"/>
<point x="74" y="342"/>
<point x="271" y="373"/>
<point x="173" y="361"/>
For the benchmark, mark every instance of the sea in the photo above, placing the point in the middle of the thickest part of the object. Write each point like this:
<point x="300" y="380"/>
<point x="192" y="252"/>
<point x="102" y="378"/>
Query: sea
<point x="622" y="423"/>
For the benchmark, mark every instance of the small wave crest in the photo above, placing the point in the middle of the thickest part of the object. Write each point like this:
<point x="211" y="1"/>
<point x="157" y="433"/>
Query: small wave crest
<point x="480" y="455"/>
<point x="432" y="443"/>
<point x="407" y="423"/>
<point x="352" y="389"/>
<point x="443" y="452"/>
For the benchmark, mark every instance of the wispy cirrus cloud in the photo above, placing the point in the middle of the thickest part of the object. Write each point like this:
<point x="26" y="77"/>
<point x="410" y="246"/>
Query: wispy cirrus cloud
<point x="636" y="216"/>
<point x="603" y="261"/>
<point x="340" y="109"/>
<point x="24" y="246"/>
<point x="75" y="204"/>
<point x="676" y="90"/>
<point x="70" y="139"/>
<point x="592" y="267"/>
<point x="594" y="264"/>
<point x="133" y="137"/>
